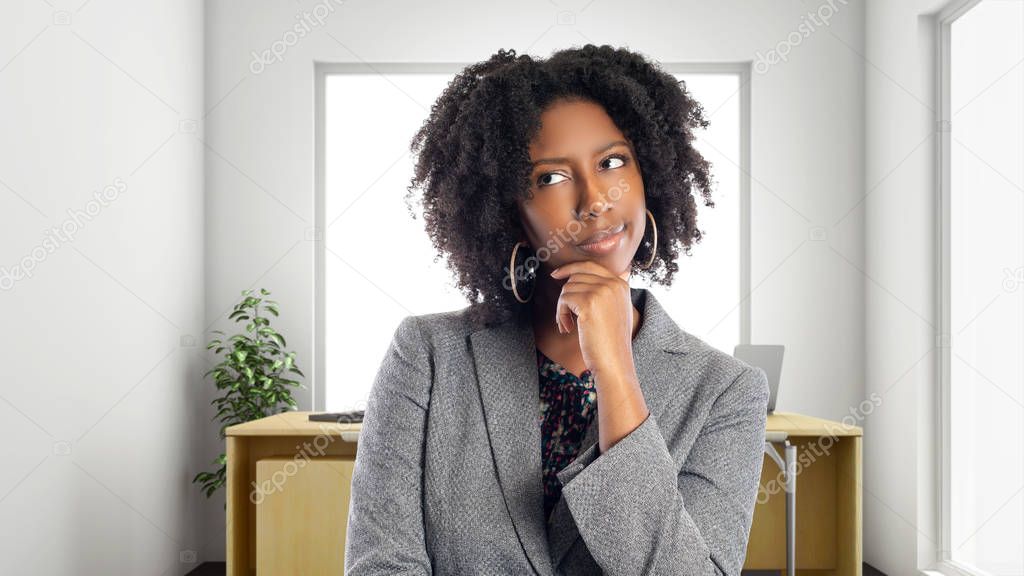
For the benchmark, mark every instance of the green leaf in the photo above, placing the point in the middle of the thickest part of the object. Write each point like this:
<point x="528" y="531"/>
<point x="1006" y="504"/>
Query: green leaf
<point x="248" y="375"/>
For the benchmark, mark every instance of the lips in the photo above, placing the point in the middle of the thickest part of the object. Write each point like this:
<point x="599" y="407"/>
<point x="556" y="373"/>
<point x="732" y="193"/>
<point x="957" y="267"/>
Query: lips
<point x="598" y="236"/>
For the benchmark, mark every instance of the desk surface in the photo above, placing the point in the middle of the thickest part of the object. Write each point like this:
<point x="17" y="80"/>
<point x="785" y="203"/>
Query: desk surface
<point x="803" y="425"/>
<point x="294" y="423"/>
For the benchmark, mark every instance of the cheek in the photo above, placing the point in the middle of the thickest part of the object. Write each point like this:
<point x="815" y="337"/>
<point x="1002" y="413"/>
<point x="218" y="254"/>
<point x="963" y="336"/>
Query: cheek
<point x="544" y="218"/>
<point x="632" y="185"/>
<point x="536" y="226"/>
<point x="637" y="221"/>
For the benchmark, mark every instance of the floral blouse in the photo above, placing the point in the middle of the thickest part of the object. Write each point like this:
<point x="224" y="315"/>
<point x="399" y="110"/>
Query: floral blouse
<point x="567" y="404"/>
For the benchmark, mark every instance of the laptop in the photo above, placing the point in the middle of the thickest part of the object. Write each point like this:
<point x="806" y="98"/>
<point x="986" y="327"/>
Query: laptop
<point x="767" y="357"/>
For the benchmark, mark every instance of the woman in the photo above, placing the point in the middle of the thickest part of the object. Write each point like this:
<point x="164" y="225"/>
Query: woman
<point x="546" y="184"/>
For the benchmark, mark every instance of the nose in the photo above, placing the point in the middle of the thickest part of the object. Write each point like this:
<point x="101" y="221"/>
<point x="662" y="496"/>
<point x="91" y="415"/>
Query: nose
<point x="593" y="199"/>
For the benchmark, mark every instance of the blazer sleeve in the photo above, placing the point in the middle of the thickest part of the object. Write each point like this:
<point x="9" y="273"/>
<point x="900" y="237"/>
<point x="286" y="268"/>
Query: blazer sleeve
<point x="385" y="533"/>
<point x="638" y="514"/>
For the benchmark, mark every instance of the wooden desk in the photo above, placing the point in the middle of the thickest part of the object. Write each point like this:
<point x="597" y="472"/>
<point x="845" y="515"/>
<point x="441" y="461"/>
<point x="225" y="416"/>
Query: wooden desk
<point x="288" y="482"/>
<point x="283" y="469"/>
<point x="828" y="500"/>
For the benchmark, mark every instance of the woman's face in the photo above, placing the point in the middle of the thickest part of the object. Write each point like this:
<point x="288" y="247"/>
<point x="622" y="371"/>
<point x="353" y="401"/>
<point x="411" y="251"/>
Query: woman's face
<point x="585" y="181"/>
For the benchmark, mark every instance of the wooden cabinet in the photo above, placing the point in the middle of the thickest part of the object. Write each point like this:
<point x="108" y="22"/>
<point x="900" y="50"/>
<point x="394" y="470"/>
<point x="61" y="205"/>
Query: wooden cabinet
<point x="297" y="515"/>
<point x="288" y="483"/>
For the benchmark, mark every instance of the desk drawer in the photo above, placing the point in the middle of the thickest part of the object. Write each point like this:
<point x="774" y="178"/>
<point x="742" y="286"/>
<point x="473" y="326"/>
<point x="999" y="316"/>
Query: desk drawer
<point x="301" y="513"/>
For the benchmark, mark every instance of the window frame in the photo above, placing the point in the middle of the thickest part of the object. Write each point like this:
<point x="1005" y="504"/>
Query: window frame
<point x="944" y="563"/>
<point x="321" y="70"/>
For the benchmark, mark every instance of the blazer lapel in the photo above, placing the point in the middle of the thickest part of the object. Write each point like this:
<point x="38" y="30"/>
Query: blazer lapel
<point x="506" y="370"/>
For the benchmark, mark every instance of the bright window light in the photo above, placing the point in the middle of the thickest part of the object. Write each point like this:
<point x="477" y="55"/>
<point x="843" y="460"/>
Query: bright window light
<point x="986" y="427"/>
<point x="379" y="264"/>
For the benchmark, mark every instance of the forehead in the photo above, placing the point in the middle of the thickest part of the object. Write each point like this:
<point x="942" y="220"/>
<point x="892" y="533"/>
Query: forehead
<point x="570" y="128"/>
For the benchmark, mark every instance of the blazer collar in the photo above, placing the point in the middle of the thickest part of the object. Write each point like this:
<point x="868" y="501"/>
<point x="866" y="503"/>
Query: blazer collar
<point x="504" y="356"/>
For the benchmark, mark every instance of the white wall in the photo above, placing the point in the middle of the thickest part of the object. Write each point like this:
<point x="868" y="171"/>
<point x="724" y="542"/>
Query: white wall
<point x="807" y="138"/>
<point x="901" y="307"/>
<point x="93" y="119"/>
<point x="102" y="418"/>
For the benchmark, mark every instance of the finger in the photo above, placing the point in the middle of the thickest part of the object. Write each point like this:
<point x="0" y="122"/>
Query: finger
<point x="576" y="298"/>
<point x="585" y="278"/>
<point x="602" y="285"/>
<point x="588" y="266"/>
<point x="565" y="308"/>
<point x="581" y="287"/>
<point x="579" y="282"/>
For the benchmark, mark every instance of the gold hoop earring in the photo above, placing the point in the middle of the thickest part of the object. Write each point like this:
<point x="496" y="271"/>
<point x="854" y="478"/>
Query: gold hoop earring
<point x="654" y="243"/>
<point x="512" y="275"/>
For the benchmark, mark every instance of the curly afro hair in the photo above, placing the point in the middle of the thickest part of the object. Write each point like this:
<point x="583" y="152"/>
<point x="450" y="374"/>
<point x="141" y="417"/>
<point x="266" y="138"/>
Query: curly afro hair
<point x="473" y="161"/>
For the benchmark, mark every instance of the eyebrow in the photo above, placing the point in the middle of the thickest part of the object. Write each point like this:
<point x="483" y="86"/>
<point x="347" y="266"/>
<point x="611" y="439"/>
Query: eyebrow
<point x="563" y="160"/>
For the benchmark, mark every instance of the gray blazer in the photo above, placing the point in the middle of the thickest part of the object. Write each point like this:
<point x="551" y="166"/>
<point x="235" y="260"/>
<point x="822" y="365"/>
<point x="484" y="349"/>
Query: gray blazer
<point x="447" y="476"/>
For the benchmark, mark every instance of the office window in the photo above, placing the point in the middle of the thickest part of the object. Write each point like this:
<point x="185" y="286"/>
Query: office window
<point x="983" y="416"/>
<point x="706" y="296"/>
<point x="377" y="263"/>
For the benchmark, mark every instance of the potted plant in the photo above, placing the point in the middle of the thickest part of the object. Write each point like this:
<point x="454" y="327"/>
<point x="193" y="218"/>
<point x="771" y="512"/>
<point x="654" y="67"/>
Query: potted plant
<point x="254" y="375"/>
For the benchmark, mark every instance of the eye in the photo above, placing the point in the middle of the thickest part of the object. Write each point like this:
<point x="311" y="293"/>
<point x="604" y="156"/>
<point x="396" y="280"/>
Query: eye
<point x="622" y="160"/>
<point x="541" y="182"/>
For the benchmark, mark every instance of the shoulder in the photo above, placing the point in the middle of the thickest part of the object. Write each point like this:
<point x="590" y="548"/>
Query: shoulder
<point x="411" y="358"/>
<point x="429" y="332"/>
<point x="707" y="372"/>
<point x="724" y="377"/>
